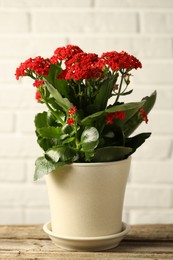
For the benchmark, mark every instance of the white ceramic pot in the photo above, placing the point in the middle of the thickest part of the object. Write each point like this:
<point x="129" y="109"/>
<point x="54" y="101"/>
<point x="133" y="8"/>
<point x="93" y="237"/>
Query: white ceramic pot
<point x="86" y="199"/>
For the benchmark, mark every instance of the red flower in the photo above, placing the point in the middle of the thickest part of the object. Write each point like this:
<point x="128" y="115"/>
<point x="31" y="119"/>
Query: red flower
<point x="70" y="121"/>
<point x="117" y="115"/>
<point x="122" y="60"/>
<point x="38" y="82"/>
<point x="38" y="65"/>
<point x="64" y="53"/>
<point x="144" y="115"/>
<point x="72" y="110"/>
<point x="38" y="96"/>
<point x="82" y="66"/>
<point x="109" y="119"/>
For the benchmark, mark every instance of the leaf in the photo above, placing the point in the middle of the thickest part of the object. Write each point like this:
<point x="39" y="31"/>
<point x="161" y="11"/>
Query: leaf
<point x="104" y="93"/>
<point x="132" y="124"/>
<point x="89" y="138"/>
<point x="61" y="153"/>
<point x="60" y="84"/>
<point x="67" y="129"/>
<point x="136" y="141"/>
<point x="43" y="167"/>
<point x="125" y="107"/>
<point x="111" y="153"/>
<point x="41" y="120"/>
<point x="62" y="102"/>
<point x="130" y="109"/>
<point x="53" y="154"/>
<point x="44" y="143"/>
<point x="50" y="132"/>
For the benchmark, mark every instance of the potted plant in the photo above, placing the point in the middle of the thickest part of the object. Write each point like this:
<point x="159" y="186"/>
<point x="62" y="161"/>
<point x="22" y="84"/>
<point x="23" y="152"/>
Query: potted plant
<point x="85" y="134"/>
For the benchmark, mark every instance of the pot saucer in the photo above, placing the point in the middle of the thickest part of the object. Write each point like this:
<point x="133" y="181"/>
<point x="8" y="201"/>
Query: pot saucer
<point x="87" y="243"/>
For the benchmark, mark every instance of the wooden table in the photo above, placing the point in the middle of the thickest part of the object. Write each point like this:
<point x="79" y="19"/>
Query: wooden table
<point x="142" y="242"/>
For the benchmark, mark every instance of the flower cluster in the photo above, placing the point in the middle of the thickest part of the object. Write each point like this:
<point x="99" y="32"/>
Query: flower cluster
<point x="39" y="66"/>
<point x="82" y="66"/>
<point x="119" y="61"/>
<point x="85" y="115"/>
<point x="64" y="53"/>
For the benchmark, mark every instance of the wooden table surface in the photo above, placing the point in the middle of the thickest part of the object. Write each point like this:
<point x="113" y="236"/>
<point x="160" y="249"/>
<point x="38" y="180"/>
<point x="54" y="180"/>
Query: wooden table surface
<point x="142" y="242"/>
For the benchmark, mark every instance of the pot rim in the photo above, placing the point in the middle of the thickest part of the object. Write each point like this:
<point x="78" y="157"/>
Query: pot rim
<point x="96" y="164"/>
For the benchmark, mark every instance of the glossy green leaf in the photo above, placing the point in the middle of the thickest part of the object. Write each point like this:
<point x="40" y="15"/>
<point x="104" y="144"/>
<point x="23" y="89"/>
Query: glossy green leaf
<point x="104" y="93"/>
<point x="50" y="132"/>
<point x="44" y="166"/>
<point x="61" y="153"/>
<point x="130" y="109"/>
<point x="136" y="141"/>
<point x="111" y="153"/>
<point x="41" y="120"/>
<point x="62" y="102"/>
<point x="89" y="138"/>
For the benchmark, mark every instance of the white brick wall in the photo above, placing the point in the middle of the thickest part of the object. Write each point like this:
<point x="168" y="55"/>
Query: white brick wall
<point x="36" y="27"/>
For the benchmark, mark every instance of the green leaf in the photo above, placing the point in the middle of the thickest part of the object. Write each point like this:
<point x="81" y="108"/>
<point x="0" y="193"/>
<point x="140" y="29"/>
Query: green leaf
<point x="67" y="129"/>
<point x="132" y="124"/>
<point x="136" y="141"/>
<point x="53" y="154"/>
<point x="61" y="153"/>
<point x="89" y="138"/>
<point x="50" y="132"/>
<point x="130" y="109"/>
<point x="62" y="102"/>
<point x="43" y="167"/>
<point x="125" y="107"/>
<point x="104" y="93"/>
<point x="60" y="84"/>
<point x="44" y="143"/>
<point x="111" y="153"/>
<point x="41" y="120"/>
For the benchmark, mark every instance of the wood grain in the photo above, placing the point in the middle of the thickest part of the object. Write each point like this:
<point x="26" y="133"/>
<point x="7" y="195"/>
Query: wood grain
<point x="143" y="242"/>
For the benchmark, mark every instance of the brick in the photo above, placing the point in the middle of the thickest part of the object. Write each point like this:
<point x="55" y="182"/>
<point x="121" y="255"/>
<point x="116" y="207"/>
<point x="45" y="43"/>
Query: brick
<point x="18" y="96"/>
<point x="85" y="22"/>
<point x="8" y="69"/>
<point x="37" y="216"/>
<point x="11" y="216"/>
<point x="155" y="148"/>
<point x="12" y="170"/>
<point x="7" y="24"/>
<point x="147" y="196"/>
<point x="23" y="125"/>
<point x="143" y="47"/>
<point x="45" y="3"/>
<point x="17" y="145"/>
<point x="37" y="45"/>
<point x="154" y="72"/>
<point x="7" y="122"/>
<point x="134" y="3"/>
<point x="152" y="172"/>
<point x="151" y="216"/>
<point x="157" y="22"/>
<point x="32" y="195"/>
<point x="164" y="93"/>
<point x="160" y="122"/>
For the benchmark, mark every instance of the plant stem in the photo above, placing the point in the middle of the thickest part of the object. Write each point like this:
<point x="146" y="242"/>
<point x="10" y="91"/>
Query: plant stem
<point x="120" y="86"/>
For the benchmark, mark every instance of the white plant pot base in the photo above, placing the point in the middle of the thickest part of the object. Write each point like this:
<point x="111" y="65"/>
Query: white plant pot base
<point x="87" y="243"/>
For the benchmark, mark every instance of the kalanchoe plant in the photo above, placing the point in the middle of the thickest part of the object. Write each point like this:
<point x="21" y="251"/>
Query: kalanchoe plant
<point x="80" y="124"/>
